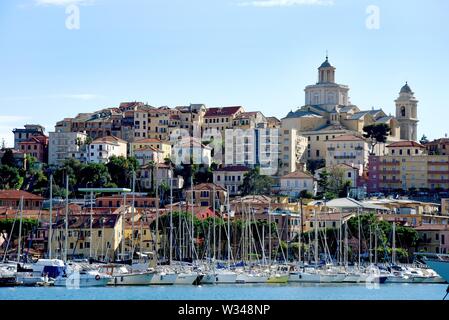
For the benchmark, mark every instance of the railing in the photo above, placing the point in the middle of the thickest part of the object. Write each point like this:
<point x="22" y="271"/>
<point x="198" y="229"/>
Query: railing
<point x="345" y="157"/>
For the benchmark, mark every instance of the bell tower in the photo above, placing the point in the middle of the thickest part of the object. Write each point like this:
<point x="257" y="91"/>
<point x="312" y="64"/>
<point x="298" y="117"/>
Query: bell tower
<point x="406" y="113"/>
<point x="326" y="72"/>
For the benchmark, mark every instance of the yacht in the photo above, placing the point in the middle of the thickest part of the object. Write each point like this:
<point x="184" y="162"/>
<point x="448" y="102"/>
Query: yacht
<point x="164" y="277"/>
<point x="121" y="276"/>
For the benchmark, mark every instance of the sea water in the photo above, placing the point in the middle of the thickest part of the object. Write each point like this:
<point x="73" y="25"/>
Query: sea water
<point x="233" y="292"/>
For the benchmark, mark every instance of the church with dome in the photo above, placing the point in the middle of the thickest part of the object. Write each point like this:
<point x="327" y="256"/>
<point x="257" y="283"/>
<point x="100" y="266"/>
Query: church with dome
<point x="328" y="113"/>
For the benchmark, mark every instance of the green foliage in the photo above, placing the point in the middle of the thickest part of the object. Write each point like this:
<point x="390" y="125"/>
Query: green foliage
<point x="255" y="183"/>
<point x="10" y="177"/>
<point x="8" y="158"/>
<point x="377" y="133"/>
<point x="121" y="168"/>
<point x="27" y="226"/>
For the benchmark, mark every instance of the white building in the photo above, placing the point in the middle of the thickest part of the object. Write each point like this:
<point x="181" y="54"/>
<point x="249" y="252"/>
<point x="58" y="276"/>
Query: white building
<point x="101" y="149"/>
<point x="148" y="155"/>
<point x="348" y="172"/>
<point x="293" y="183"/>
<point x="230" y="178"/>
<point x="293" y="147"/>
<point x="65" y="145"/>
<point x="191" y="150"/>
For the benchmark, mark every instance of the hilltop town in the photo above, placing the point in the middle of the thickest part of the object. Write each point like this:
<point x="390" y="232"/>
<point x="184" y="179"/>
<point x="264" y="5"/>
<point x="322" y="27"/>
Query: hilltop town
<point x="325" y="162"/>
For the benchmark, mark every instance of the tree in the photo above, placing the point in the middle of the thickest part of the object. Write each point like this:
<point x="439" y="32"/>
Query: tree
<point x="121" y="168"/>
<point x="10" y="177"/>
<point x="377" y="133"/>
<point x="8" y="158"/>
<point x="424" y="139"/>
<point x="95" y="174"/>
<point x="255" y="183"/>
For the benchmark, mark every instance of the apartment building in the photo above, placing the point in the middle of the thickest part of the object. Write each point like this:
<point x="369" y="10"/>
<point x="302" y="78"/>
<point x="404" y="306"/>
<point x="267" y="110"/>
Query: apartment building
<point x="217" y="120"/>
<point x="151" y="143"/>
<point x="231" y="178"/>
<point x="293" y="147"/>
<point x="433" y="238"/>
<point x="104" y="243"/>
<point x="292" y="184"/>
<point x="438" y="147"/>
<point x="36" y="146"/>
<point x="408" y="166"/>
<point x="23" y="134"/>
<point x="64" y="145"/>
<point x="101" y="149"/>
<point x="349" y="149"/>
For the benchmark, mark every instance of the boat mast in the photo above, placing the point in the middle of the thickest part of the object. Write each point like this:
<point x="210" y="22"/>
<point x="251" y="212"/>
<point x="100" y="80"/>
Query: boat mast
<point x="229" y="229"/>
<point x="192" y="222"/>
<point x="316" y="238"/>
<point x="123" y="227"/>
<point x="269" y="231"/>
<point x="91" y="218"/>
<point x="171" y="218"/>
<point x="50" y="230"/>
<point x="157" y="215"/>
<point x="359" y="236"/>
<point x="393" y="257"/>
<point x="66" y="216"/>
<point x="20" y="229"/>
<point x="213" y="208"/>
<point x="132" y="214"/>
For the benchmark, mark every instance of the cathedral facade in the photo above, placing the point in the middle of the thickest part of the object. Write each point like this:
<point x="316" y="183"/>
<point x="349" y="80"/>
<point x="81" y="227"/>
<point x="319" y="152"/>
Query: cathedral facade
<point x="328" y="113"/>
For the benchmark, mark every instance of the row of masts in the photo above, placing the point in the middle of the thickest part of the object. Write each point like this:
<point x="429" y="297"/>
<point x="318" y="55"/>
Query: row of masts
<point x="248" y="247"/>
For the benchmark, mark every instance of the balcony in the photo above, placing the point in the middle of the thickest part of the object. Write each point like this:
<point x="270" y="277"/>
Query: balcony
<point x="394" y="163"/>
<point x="390" y="181"/>
<point x="359" y="148"/>
<point x="345" y="157"/>
<point x="438" y="180"/>
<point x="438" y="163"/>
<point x="438" y="171"/>
<point x="390" y="172"/>
<point x="331" y="149"/>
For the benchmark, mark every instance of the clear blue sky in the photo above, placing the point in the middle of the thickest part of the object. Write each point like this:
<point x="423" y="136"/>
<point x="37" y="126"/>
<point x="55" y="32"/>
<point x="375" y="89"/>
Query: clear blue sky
<point x="217" y="52"/>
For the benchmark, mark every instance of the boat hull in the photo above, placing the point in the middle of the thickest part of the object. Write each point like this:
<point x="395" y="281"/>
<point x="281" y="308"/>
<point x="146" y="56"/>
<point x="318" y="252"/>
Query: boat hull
<point x="186" y="278"/>
<point x="278" y="278"/>
<point x="164" y="279"/>
<point x="133" y="279"/>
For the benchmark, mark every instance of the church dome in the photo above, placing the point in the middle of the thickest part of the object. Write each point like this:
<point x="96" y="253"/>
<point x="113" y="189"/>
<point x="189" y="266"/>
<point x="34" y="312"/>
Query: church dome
<point x="406" y="89"/>
<point x="326" y="64"/>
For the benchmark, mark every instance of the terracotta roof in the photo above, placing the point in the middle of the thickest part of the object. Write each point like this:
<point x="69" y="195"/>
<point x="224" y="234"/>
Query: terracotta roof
<point x="42" y="139"/>
<point x="297" y="175"/>
<point x="220" y="112"/>
<point x="403" y="144"/>
<point x="433" y="227"/>
<point x="233" y="168"/>
<point x="17" y="194"/>
<point x="83" y="221"/>
<point x="147" y="148"/>
<point x="108" y="139"/>
<point x="207" y="186"/>
<point x="149" y="140"/>
<point x="347" y="137"/>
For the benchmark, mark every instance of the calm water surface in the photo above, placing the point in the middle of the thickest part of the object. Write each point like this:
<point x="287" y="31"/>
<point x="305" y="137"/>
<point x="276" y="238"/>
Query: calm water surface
<point x="233" y="292"/>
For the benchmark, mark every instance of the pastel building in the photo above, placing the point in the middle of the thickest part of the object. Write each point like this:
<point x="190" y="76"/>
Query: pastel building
<point x="407" y="166"/>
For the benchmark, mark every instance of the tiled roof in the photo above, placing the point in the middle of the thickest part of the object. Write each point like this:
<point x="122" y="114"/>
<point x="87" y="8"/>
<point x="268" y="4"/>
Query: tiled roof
<point x="220" y="112"/>
<point x="347" y="137"/>
<point x="233" y="168"/>
<point x="405" y="144"/>
<point x="297" y="175"/>
<point x="207" y="186"/>
<point x="108" y="139"/>
<point x="17" y="194"/>
<point x="148" y="140"/>
<point x="301" y="114"/>
<point x="81" y="221"/>
<point x="433" y="227"/>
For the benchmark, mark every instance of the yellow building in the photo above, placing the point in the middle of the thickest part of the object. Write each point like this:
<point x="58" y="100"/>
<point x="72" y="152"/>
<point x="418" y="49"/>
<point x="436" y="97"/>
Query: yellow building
<point x="407" y="166"/>
<point x="105" y="241"/>
<point x="157" y="144"/>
